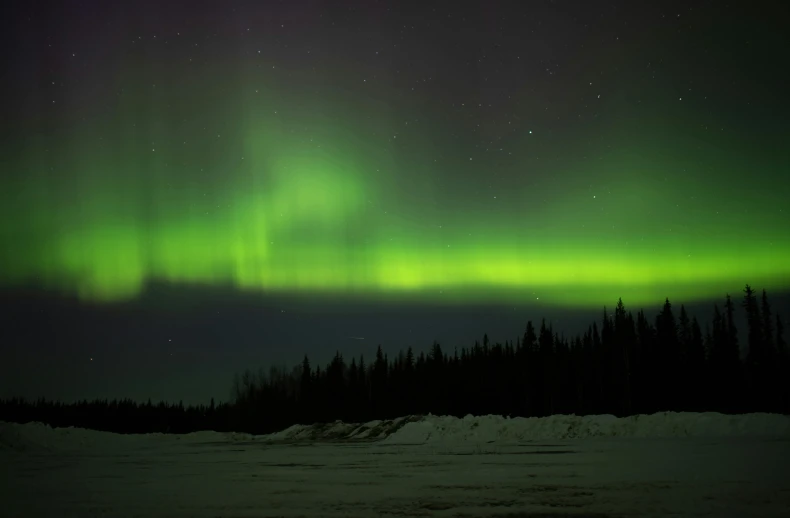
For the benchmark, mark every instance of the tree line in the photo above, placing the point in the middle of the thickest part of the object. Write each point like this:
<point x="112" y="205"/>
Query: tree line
<point x="623" y="364"/>
<point x="119" y="416"/>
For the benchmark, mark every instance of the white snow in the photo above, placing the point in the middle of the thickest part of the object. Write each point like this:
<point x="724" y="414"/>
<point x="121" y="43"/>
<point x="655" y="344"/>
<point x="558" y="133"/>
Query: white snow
<point x="433" y="429"/>
<point x="652" y="465"/>
<point x="492" y="428"/>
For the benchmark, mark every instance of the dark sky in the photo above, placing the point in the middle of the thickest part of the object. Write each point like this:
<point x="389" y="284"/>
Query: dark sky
<point x="194" y="188"/>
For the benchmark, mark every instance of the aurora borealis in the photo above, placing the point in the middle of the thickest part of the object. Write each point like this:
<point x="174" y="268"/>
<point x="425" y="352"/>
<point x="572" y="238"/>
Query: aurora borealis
<point x="550" y="154"/>
<point x="293" y="216"/>
<point x="296" y="163"/>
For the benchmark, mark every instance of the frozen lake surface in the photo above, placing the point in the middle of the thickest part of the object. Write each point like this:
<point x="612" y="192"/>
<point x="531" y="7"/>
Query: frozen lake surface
<point x="77" y="473"/>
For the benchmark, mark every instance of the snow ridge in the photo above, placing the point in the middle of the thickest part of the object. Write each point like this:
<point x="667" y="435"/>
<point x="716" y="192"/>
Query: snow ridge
<point x="431" y="429"/>
<point x="492" y="428"/>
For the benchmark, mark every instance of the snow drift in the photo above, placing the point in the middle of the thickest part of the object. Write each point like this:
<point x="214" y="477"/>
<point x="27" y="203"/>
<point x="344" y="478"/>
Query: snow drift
<point x="430" y="429"/>
<point x="39" y="436"/>
<point x="665" y="424"/>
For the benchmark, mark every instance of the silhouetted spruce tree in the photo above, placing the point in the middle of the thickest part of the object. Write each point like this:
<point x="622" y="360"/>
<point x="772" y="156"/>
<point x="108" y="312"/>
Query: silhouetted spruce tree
<point x="784" y="366"/>
<point x="558" y="384"/>
<point x="757" y="359"/>
<point x="387" y="393"/>
<point x="509" y="379"/>
<point x="732" y="371"/>
<point x="318" y="384"/>
<point x="596" y="400"/>
<point x="378" y="384"/>
<point x="717" y="362"/>
<point x="684" y="372"/>
<point x="363" y="397"/>
<point x="731" y="332"/>
<point x="576" y="375"/>
<point x="409" y="378"/>
<point x="780" y="369"/>
<point x="644" y="365"/>
<point x="587" y="373"/>
<point x="708" y="390"/>
<point x="546" y="353"/>
<point x="768" y="324"/>
<point x="605" y="365"/>
<point x="352" y="395"/>
<point x="436" y="373"/>
<point x="755" y="356"/>
<point x="668" y="357"/>
<point x="774" y="367"/>
<point x="305" y="391"/>
<point x="696" y="369"/>
<point x="336" y="387"/>
<point x="622" y="350"/>
<point x="531" y="369"/>
<point x="499" y="372"/>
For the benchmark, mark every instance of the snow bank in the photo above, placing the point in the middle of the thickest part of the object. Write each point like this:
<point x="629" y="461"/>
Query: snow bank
<point x="340" y="431"/>
<point x="429" y="429"/>
<point x="666" y="424"/>
<point x="42" y="437"/>
<point x="32" y="437"/>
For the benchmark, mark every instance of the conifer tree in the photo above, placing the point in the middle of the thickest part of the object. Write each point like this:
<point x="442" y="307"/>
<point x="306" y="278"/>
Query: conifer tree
<point x="696" y="368"/>
<point x="756" y="352"/>
<point x="767" y="325"/>
<point x="668" y="356"/>
<point x="732" y="367"/>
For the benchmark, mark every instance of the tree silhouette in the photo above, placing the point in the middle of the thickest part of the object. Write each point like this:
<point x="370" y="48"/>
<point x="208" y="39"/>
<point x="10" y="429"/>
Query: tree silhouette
<point x="732" y="371"/>
<point x="628" y="367"/>
<point x="756" y="352"/>
<point x="668" y="357"/>
<point x="696" y="369"/>
<point x="767" y="325"/>
<point x="783" y="366"/>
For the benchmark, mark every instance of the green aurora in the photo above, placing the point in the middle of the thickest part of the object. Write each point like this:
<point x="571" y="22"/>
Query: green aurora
<point x="298" y="198"/>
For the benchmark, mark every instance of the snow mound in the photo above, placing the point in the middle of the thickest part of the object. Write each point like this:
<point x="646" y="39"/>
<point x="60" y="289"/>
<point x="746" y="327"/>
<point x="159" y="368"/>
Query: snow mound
<point x="340" y="431"/>
<point x="492" y="428"/>
<point x="40" y="437"/>
<point x="30" y="437"/>
<point x="33" y="437"/>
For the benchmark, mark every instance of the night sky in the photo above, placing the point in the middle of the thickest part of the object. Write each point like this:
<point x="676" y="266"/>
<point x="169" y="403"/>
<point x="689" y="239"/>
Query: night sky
<point x="193" y="188"/>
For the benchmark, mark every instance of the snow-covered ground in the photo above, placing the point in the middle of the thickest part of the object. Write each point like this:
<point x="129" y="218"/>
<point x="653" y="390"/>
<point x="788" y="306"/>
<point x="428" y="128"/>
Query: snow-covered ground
<point x="658" y="465"/>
